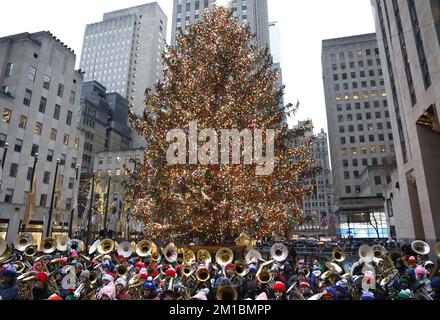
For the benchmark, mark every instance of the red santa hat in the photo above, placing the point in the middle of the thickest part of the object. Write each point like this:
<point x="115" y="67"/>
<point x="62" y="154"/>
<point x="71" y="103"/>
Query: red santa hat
<point x="279" y="286"/>
<point x="170" y="273"/>
<point x="229" y="266"/>
<point x="42" y="277"/>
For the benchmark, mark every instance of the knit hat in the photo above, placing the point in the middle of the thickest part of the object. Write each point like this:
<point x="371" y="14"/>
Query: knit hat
<point x="252" y="269"/>
<point x="229" y="266"/>
<point x="150" y="285"/>
<point x="9" y="273"/>
<point x="79" y="265"/>
<point x="262" y="296"/>
<point x="73" y="254"/>
<point x="139" y="265"/>
<point x="109" y="291"/>
<point x="279" y="286"/>
<point x="404" y="294"/>
<point x="122" y="282"/>
<point x="55" y="297"/>
<point x="412" y="260"/>
<point x="170" y="273"/>
<point x="85" y="274"/>
<point x="404" y="280"/>
<point x="42" y="277"/>
<point x="179" y="268"/>
<point x="420" y="271"/>
<point x="108" y="277"/>
<point x="435" y="283"/>
<point x="63" y="261"/>
<point x="304" y="284"/>
<point x="328" y="292"/>
<point x="106" y="265"/>
<point x="429" y="263"/>
<point x="367" y="296"/>
<point x="107" y="257"/>
<point x="48" y="257"/>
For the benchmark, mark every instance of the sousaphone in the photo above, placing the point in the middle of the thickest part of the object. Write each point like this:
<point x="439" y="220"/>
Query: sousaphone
<point x="75" y="244"/>
<point x="125" y="249"/>
<point x="204" y="257"/>
<point x="420" y="247"/>
<point x="366" y="253"/>
<point x="189" y="256"/>
<point x="279" y="252"/>
<point x="48" y="245"/>
<point x="94" y="246"/>
<point x="144" y="248"/>
<point x="338" y="255"/>
<point x="6" y="255"/>
<point x="106" y="246"/>
<point x="170" y="253"/>
<point x="23" y="240"/>
<point x="62" y="243"/>
<point x="224" y="256"/>
<point x="31" y="250"/>
<point x="253" y="254"/>
<point x="3" y="246"/>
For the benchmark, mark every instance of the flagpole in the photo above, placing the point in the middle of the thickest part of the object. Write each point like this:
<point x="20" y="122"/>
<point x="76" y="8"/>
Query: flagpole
<point x="76" y="204"/>
<point x="31" y="189"/>
<point x="90" y="210"/>
<point x="49" y="222"/>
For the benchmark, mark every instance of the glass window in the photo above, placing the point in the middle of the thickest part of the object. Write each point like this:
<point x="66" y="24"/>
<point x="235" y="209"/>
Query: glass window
<point x="72" y="97"/>
<point x="32" y="73"/>
<point x="49" y="155"/>
<point x="373" y="149"/>
<point x="53" y="134"/>
<point x="9" y="195"/>
<point x="56" y="112"/>
<point x="66" y="139"/>
<point x="38" y="128"/>
<point x="60" y="91"/>
<point x="27" y="97"/>
<point x="34" y="151"/>
<point x="46" y="82"/>
<point x="43" y="103"/>
<point x="13" y="170"/>
<point x="9" y="68"/>
<point x="69" y="118"/>
<point x="22" y="122"/>
<point x="18" y="145"/>
<point x="76" y="144"/>
<point x="46" y="177"/>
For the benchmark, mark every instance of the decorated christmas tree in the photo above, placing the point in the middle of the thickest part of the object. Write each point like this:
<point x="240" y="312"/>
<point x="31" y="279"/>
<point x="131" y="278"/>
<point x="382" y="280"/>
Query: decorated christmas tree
<point x="217" y="77"/>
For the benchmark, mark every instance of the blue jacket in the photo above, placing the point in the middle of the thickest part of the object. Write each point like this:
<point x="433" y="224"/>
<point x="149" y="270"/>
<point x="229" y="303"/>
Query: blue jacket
<point x="8" y="293"/>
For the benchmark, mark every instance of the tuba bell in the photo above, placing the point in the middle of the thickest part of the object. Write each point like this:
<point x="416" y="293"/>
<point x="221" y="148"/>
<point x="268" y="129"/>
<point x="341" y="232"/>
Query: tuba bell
<point x="241" y="269"/>
<point x="366" y="253"/>
<point x="279" y="252"/>
<point x="23" y="240"/>
<point x="224" y="256"/>
<point x="188" y="271"/>
<point x="106" y="246"/>
<point x="3" y="246"/>
<point x="253" y="254"/>
<point x="19" y="266"/>
<point x="156" y="257"/>
<point x="264" y="276"/>
<point x="75" y="244"/>
<point x="121" y="271"/>
<point x="379" y="251"/>
<point x="189" y="256"/>
<point x="170" y="253"/>
<point x="437" y="250"/>
<point x="338" y="255"/>
<point x="62" y="243"/>
<point x="204" y="257"/>
<point x="125" y="249"/>
<point x="6" y="255"/>
<point x="144" y="248"/>
<point x="202" y="274"/>
<point x="48" y="245"/>
<point x="30" y="251"/>
<point x="420" y="247"/>
<point x="94" y="247"/>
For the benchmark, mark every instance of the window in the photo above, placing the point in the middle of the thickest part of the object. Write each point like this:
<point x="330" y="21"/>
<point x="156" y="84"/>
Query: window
<point x="69" y="203"/>
<point x="9" y="68"/>
<point x="355" y="162"/>
<point x="2" y="140"/>
<point x="373" y="149"/>
<point x="354" y="151"/>
<point x="343" y="140"/>
<point x="32" y="73"/>
<point x="363" y="150"/>
<point x="9" y="195"/>
<point x="352" y="139"/>
<point x="383" y="149"/>
<point x="63" y="160"/>
<point x="53" y="134"/>
<point x="66" y="139"/>
<point x="365" y="162"/>
<point x="361" y="139"/>
<point x="43" y="200"/>
<point x="345" y="163"/>
<point x="49" y="155"/>
<point x="18" y="145"/>
<point x="76" y="144"/>
<point x="13" y="170"/>
<point x="69" y="118"/>
<point x="341" y="129"/>
<point x="46" y="177"/>
<point x="72" y="97"/>
<point x="46" y="82"/>
<point x="377" y="180"/>
<point x="27" y="97"/>
<point x="60" y="91"/>
<point x="29" y="173"/>
<point x="71" y="183"/>
<point x="22" y="122"/>
<point x="347" y="175"/>
<point x="38" y="128"/>
<point x="344" y="152"/>
<point x="347" y="189"/>
<point x="73" y="163"/>
<point x="57" y="111"/>
<point x="6" y="117"/>
<point x="371" y="138"/>
<point x="43" y="103"/>
<point x="34" y="151"/>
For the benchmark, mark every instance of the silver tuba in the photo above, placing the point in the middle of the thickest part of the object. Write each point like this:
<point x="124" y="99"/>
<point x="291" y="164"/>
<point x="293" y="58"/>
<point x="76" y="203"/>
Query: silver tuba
<point x="279" y="252"/>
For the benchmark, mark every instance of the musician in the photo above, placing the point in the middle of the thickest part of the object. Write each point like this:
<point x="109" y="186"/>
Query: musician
<point x="279" y="290"/>
<point x="58" y="276"/>
<point x="421" y="279"/>
<point x="435" y="285"/>
<point x="47" y="262"/>
<point x="8" y="286"/>
<point x="150" y="290"/>
<point x="121" y="289"/>
<point x="88" y="289"/>
<point x="429" y="267"/>
<point x="108" y="289"/>
<point x="170" y="276"/>
<point x="341" y="290"/>
<point x="250" y="285"/>
<point x="287" y="270"/>
<point x="305" y="289"/>
<point x="40" y="290"/>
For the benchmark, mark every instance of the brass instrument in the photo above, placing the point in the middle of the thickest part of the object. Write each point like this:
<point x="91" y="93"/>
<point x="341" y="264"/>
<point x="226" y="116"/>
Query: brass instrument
<point x="106" y="246"/>
<point x="420" y="247"/>
<point x="94" y="247"/>
<point x="224" y="256"/>
<point x="121" y="271"/>
<point x="437" y="250"/>
<point x="240" y="268"/>
<point x="188" y="271"/>
<point x="279" y="252"/>
<point x="156" y="257"/>
<point x="30" y="251"/>
<point x="48" y="245"/>
<point x="189" y="256"/>
<point x="333" y="267"/>
<point x="93" y="278"/>
<point x="338" y="255"/>
<point x="125" y="249"/>
<point x="62" y="243"/>
<point x="75" y="244"/>
<point x="379" y="251"/>
<point x="203" y="274"/>
<point x="85" y="260"/>
<point x="180" y="261"/>
<point x="328" y="276"/>
<point x="23" y="240"/>
<point x="204" y="257"/>
<point x="366" y="253"/>
<point x="164" y="269"/>
<point x="6" y="255"/>
<point x="170" y="253"/>
<point x="144" y="248"/>
<point x="19" y="266"/>
<point x="26" y="286"/>
<point x="253" y="254"/>
<point x="264" y="276"/>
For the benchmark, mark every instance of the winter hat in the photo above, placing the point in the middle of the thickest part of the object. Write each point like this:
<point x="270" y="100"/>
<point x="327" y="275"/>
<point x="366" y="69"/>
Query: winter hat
<point x="73" y="254"/>
<point x="179" y="268"/>
<point x="85" y="274"/>
<point x="42" y="277"/>
<point x="252" y="269"/>
<point x="435" y="283"/>
<point x="9" y="273"/>
<point x="279" y="286"/>
<point x="412" y="260"/>
<point x="262" y="296"/>
<point x="122" y="282"/>
<point x="139" y="265"/>
<point x="367" y="296"/>
<point x="201" y="295"/>
<point x="304" y="284"/>
<point x="220" y="282"/>
<point x="420" y="271"/>
<point x="254" y="261"/>
<point x="55" y="297"/>
<point x="48" y="257"/>
<point x="404" y="280"/>
<point x="429" y="263"/>
<point x="79" y="265"/>
<point x="170" y="273"/>
<point x="107" y="257"/>
<point x="329" y="292"/>
<point x="150" y="285"/>
<point x="109" y="291"/>
<point x="106" y="265"/>
<point x="229" y="266"/>
<point x="108" y="277"/>
<point x="404" y="294"/>
<point x="341" y="286"/>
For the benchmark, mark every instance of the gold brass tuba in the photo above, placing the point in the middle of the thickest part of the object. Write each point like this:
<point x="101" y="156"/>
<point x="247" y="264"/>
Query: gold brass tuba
<point x="48" y="245"/>
<point x="144" y="248"/>
<point x="202" y="274"/>
<point x="224" y="256"/>
<point x="253" y="254"/>
<point x="62" y="243"/>
<point x="189" y="256"/>
<point x="156" y="257"/>
<point x="264" y="276"/>
<point x="125" y="249"/>
<point x="420" y="247"/>
<point x="121" y="271"/>
<point x="23" y="240"/>
<point x="30" y="251"/>
<point x="204" y="257"/>
<point x="240" y="268"/>
<point x="106" y="246"/>
<point x="279" y="252"/>
<point x="338" y="255"/>
<point x="379" y="251"/>
<point x="19" y="266"/>
<point x="188" y="271"/>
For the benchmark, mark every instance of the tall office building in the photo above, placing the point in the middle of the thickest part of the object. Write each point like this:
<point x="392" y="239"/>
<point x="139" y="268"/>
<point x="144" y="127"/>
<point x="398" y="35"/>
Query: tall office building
<point x="409" y="45"/>
<point x="123" y="52"/>
<point x="320" y="205"/>
<point x="360" y="133"/>
<point x="104" y="120"/>
<point x="39" y="103"/>
<point x="254" y="12"/>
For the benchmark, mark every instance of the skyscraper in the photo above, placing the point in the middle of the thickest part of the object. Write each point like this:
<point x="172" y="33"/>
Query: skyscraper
<point x="360" y="133"/>
<point x="254" y="12"/>
<point x="123" y="52"/>
<point x="409" y="45"/>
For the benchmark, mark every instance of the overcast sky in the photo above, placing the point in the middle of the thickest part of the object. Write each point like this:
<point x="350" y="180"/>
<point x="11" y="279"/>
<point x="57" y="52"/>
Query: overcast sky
<point x="303" y="23"/>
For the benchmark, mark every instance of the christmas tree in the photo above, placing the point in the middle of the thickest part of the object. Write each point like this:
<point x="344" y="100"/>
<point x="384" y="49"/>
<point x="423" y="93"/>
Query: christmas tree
<point x="218" y="77"/>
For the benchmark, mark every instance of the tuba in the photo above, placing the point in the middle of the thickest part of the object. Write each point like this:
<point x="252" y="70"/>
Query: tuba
<point x="125" y="249"/>
<point x="188" y="271"/>
<point x="106" y="246"/>
<point x="94" y="247"/>
<point x="76" y="245"/>
<point x="279" y="252"/>
<point x="202" y="274"/>
<point x="189" y="256"/>
<point x="366" y="253"/>
<point x="121" y="271"/>
<point x="241" y="268"/>
<point x="170" y="253"/>
<point x="30" y="251"/>
<point x="264" y="276"/>
<point x="19" y="266"/>
<point x="62" y="243"/>
<point x="23" y="240"/>
<point x="224" y="256"/>
<point x="338" y="255"/>
<point x="204" y="257"/>
<point x="144" y="248"/>
<point x="253" y="254"/>
<point x="156" y="257"/>
<point x="420" y="247"/>
<point x="48" y="245"/>
<point x="379" y="251"/>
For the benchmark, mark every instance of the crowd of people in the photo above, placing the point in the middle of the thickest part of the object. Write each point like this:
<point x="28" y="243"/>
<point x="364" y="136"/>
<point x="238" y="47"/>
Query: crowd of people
<point x="69" y="271"/>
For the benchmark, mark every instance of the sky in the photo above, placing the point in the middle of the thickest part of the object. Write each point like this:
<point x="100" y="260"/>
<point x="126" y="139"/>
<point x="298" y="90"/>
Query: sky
<point x="303" y="24"/>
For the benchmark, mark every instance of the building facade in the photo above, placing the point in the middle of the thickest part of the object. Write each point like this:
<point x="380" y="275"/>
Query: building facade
<point x="123" y="52"/>
<point x="254" y="12"/>
<point x="320" y="205"/>
<point x="104" y="120"/>
<point x="358" y="117"/>
<point x="409" y="45"/>
<point x="39" y="103"/>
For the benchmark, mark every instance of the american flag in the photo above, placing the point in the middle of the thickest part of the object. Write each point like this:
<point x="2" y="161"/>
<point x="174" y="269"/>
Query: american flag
<point x="326" y="218"/>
